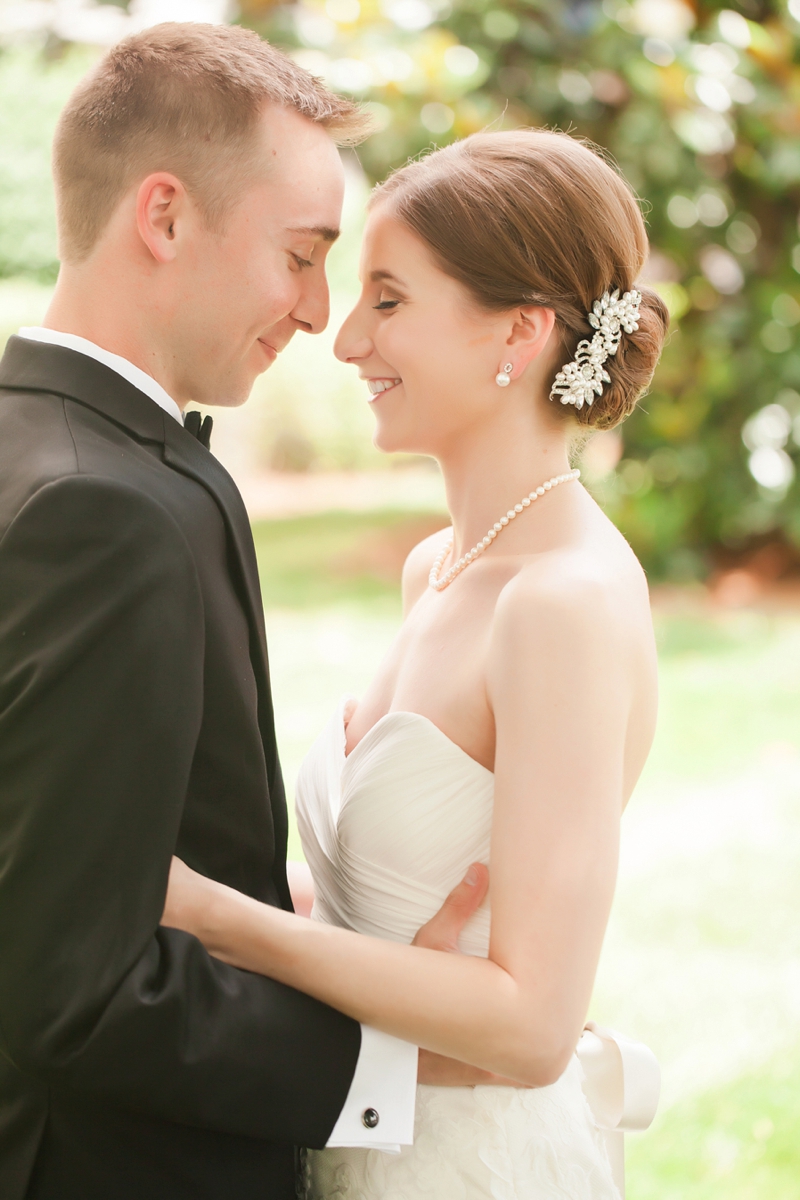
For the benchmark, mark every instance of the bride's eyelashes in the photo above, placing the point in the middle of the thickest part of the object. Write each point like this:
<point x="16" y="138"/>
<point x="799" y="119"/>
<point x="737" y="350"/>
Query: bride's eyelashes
<point x="385" y="305"/>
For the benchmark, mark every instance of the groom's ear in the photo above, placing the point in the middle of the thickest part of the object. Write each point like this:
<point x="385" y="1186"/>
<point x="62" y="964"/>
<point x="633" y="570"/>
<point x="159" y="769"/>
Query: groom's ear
<point x="160" y="201"/>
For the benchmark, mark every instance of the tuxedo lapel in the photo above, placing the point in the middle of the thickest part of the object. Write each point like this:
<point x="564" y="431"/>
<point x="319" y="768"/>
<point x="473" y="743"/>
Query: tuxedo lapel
<point x="186" y="454"/>
<point x="29" y="366"/>
<point x="42" y="367"/>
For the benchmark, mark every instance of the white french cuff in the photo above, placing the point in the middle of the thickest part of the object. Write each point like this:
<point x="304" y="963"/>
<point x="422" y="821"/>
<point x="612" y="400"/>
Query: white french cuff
<point x="378" y="1113"/>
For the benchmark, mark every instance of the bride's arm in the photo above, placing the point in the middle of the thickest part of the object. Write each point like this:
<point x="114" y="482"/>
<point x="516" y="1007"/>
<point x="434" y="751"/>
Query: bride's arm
<point x="560" y="685"/>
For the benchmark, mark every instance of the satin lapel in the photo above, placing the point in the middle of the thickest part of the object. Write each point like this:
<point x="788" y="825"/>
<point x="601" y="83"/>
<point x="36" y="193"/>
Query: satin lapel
<point x="184" y="453"/>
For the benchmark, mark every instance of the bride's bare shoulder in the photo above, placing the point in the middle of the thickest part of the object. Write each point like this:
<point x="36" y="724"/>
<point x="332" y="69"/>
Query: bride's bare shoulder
<point x="602" y="591"/>
<point x="418" y="565"/>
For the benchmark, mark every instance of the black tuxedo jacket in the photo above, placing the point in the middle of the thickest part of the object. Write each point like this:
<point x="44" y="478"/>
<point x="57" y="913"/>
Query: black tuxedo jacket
<point x="136" y="722"/>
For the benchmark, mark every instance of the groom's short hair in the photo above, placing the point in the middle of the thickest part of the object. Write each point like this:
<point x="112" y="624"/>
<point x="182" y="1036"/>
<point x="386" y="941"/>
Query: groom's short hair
<point x="184" y="98"/>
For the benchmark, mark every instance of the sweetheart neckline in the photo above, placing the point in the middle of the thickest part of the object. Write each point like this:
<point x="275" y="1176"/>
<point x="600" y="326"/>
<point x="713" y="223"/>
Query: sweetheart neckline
<point x="400" y="712"/>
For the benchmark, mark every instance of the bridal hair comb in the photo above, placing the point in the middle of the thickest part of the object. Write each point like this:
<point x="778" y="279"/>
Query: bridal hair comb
<point x="581" y="379"/>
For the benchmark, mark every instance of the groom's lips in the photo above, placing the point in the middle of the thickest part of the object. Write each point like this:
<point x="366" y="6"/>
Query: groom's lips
<point x="269" y="350"/>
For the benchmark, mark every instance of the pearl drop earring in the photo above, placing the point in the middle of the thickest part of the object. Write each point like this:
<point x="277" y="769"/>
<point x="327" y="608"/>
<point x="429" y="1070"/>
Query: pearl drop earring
<point x="503" y="378"/>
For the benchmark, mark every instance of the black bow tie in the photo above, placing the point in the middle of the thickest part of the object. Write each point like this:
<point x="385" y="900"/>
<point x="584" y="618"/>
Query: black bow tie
<point x="198" y="427"/>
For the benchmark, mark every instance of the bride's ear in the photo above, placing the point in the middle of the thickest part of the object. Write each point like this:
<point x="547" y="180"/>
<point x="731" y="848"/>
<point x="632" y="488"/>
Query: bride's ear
<point x="530" y="335"/>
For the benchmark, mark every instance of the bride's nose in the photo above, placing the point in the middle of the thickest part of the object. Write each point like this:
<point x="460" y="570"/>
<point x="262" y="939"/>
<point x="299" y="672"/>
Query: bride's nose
<point x="352" y="342"/>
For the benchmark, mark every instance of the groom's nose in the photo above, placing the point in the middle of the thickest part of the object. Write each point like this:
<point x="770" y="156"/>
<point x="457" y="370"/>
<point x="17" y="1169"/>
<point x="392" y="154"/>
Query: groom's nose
<point x="313" y="308"/>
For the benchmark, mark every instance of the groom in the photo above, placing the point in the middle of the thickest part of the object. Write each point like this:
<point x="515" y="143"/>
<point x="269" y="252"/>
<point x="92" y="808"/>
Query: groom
<point x="199" y="189"/>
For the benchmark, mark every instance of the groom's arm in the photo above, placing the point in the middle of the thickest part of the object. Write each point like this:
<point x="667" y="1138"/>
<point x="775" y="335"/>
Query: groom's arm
<point x="101" y="679"/>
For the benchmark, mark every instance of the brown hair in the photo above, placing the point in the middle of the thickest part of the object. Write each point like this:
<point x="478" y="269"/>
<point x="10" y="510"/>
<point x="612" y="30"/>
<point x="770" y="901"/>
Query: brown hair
<point x="534" y="217"/>
<point x="184" y="98"/>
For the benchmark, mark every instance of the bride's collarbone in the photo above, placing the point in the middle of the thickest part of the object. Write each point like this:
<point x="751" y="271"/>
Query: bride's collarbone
<point x="470" y="599"/>
<point x="446" y="643"/>
<point x="436" y="669"/>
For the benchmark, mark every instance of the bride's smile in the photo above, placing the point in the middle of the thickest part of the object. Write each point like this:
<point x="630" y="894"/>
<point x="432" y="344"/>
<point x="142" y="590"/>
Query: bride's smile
<point x="378" y="386"/>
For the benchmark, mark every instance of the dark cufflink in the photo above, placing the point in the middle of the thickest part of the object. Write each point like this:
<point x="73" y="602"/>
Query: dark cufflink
<point x="370" y="1118"/>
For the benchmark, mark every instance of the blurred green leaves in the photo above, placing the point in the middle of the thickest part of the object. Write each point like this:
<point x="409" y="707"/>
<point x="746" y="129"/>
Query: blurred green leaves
<point x="32" y="93"/>
<point x="699" y="104"/>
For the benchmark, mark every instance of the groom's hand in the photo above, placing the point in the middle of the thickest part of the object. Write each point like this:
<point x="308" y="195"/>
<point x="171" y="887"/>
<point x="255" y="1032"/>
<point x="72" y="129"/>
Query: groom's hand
<point x="441" y="933"/>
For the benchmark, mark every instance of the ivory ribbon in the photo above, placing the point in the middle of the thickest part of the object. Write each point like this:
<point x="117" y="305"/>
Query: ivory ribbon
<point x="622" y="1079"/>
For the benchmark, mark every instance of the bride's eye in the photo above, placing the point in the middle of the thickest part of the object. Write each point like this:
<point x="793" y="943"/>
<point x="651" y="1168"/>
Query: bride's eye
<point x="385" y="305"/>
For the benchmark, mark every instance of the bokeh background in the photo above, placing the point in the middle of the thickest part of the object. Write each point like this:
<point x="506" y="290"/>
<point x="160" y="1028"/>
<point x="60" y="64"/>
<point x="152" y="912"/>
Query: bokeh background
<point x="700" y="106"/>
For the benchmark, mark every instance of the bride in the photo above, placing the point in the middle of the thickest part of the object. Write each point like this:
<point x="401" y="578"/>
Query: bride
<point x="511" y="718"/>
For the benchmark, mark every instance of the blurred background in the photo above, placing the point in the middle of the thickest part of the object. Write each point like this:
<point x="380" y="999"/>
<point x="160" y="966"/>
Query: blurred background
<point x="700" y="106"/>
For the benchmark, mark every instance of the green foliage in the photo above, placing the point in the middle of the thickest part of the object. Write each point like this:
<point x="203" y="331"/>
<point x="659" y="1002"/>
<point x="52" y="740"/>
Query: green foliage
<point x="32" y="93"/>
<point x="699" y="106"/>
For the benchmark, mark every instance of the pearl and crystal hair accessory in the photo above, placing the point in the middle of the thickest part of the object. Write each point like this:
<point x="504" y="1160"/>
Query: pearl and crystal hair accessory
<point x="579" y="381"/>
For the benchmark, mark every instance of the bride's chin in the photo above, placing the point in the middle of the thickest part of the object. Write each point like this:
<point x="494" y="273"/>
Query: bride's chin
<point x="393" y="433"/>
<point x="395" y="441"/>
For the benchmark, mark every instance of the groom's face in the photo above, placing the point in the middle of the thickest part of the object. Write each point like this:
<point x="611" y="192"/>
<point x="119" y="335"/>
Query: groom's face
<point x="241" y="295"/>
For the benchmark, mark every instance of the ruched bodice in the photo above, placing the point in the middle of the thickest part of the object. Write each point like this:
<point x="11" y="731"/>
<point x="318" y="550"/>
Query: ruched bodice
<point x="392" y="827"/>
<point x="388" y="831"/>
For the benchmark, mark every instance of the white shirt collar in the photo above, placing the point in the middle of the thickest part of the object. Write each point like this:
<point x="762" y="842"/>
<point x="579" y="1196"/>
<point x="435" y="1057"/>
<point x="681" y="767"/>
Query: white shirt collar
<point x="140" y="379"/>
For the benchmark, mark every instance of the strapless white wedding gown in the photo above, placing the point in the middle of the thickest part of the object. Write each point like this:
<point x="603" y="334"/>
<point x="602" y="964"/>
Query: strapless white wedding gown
<point x="388" y="831"/>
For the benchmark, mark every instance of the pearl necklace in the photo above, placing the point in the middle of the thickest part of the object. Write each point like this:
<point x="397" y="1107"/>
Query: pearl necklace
<point x="439" y="584"/>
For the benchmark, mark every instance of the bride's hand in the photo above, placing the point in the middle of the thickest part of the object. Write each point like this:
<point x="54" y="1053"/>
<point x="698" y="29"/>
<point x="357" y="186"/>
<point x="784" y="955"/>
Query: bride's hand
<point x="188" y="897"/>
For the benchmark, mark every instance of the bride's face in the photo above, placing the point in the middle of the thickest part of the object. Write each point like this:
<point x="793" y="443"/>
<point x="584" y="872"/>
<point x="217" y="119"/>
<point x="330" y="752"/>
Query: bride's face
<point x="428" y="354"/>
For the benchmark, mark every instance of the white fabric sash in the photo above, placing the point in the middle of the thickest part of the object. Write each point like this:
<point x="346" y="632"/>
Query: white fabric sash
<point x="622" y="1083"/>
<point x="622" y="1079"/>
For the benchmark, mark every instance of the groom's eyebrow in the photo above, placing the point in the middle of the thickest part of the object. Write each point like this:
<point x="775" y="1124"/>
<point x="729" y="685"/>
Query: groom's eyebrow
<point x="318" y="231"/>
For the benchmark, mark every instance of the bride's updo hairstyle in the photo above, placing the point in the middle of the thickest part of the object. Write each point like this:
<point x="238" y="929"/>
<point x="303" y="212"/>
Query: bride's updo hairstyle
<point x="533" y="217"/>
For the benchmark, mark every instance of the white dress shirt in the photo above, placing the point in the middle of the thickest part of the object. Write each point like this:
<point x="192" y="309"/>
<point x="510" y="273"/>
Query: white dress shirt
<point x="385" y="1079"/>
<point x="135" y="375"/>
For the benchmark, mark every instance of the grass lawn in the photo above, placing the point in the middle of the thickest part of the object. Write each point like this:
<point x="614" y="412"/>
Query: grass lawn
<point x="338" y="559"/>
<point x="738" y="1141"/>
<point x="702" y="956"/>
